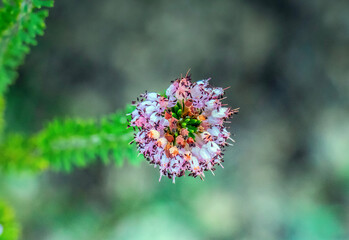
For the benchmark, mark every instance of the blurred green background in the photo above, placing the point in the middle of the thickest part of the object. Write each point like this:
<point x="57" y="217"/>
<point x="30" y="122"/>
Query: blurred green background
<point x="287" y="177"/>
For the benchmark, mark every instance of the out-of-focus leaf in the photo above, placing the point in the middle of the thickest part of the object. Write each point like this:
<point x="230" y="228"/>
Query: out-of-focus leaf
<point x="9" y="228"/>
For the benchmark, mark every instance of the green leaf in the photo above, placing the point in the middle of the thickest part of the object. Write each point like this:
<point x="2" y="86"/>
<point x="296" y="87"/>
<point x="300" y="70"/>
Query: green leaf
<point x="19" y="152"/>
<point x="9" y="227"/>
<point x="42" y="3"/>
<point x="75" y="142"/>
<point x="21" y="21"/>
<point x="2" y="109"/>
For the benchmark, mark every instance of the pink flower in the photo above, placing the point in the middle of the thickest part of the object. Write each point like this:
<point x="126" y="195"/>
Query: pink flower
<point x="184" y="129"/>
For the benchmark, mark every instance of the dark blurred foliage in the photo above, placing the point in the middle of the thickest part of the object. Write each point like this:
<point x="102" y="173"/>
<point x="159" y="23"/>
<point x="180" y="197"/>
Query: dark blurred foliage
<point x="287" y="177"/>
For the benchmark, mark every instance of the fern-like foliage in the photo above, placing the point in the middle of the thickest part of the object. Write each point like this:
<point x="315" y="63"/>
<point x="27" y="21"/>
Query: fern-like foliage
<point x="70" y="143"/>
<point x="63" y="144"/>
<point x="9" y="228"/>
<point x="21" y="153"/>
<point x="2" y="110"/>
<point x="78" y="142"/>
<point x="20" y="22"/>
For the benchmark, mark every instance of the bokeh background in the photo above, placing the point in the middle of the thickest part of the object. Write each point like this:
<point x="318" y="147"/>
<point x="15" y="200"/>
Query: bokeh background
<point x="287" y="63"/>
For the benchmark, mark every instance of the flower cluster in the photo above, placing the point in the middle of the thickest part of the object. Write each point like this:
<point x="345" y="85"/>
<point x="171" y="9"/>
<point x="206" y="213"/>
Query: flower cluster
<point x="182" y="130"/>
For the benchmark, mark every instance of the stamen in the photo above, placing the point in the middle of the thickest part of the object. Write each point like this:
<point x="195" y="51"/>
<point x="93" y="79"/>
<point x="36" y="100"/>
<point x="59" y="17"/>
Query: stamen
<point x="174" y="133"/>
